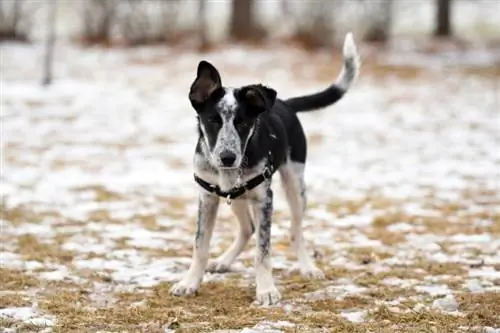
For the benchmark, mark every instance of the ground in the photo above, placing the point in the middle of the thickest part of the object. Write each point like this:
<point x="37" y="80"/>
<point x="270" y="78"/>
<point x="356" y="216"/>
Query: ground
<point x="99" y="205"/>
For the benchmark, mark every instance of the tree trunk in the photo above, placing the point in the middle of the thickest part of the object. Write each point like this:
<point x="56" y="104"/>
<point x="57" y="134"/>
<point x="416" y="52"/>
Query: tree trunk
<point x="16" y="15"/>
<point x="242" y="20"/>
<point x="49" y="45"/>
<point x="202" y="24"/>
<point x="380" y="27"/>
<point x="443" y="18"/>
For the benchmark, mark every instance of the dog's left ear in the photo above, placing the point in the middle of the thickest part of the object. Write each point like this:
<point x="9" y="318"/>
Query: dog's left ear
<point x="258" y="97"/>
<point x="207" y="81"/>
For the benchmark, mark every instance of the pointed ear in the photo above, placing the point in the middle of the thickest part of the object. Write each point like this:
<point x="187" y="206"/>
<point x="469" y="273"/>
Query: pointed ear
<point x="207" y="80"/>
<point x="258" y="97"/>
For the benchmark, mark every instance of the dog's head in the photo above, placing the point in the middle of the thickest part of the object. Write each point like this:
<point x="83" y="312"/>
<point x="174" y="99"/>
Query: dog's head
<point x="227" y="117"/>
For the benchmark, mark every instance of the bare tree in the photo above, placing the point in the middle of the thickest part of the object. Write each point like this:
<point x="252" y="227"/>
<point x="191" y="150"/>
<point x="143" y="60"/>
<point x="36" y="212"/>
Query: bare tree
<point x="11" y="16"/>
<point x="285" y="7"/>
<point x="315" y="24"/>
<point x="242" y="24"/>
<point x="98" y="17"/>
<point x="202" y="24"/>
<point x="443" y="18"/>
<point x="50" y="42"/>
<point x="143" y="21"/>
<point x="380" y="21"/>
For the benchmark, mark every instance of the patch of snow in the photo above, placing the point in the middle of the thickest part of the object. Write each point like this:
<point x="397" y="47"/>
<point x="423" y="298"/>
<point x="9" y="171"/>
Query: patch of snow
<point x="434" y="290"/>
<point x="401" y="227"/>
<point x="491" y="330"/>
<point x="336" y="292"/>
<point x="354" y="220"/>
<point x="403" y="283"/>
<point x="57" y="275"/>
<point x="447" y="303"/>
<point x="461" y="238"/>
<point x="268" y="327"/>
<point x="354" y="316"/>
<point x="27" y="315"/>
<point x="485" y="272"/>
<point x="474" y="286"/>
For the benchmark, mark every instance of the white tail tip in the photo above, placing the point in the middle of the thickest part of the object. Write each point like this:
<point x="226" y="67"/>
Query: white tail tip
<point x="349" y="46"/>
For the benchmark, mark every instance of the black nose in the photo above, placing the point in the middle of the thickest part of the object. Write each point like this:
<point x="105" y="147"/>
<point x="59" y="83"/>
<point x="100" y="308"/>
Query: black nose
<point x="227" y="157"/>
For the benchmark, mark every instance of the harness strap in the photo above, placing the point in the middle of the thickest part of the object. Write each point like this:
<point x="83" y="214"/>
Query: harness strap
<point x="236" y="191"/>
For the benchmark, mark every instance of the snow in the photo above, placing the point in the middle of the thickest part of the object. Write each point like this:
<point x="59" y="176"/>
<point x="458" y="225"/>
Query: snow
<point x="123" y="125"/>
<point x="447" y="303"/>
<point x="485" y="272"/>
<point x="434" y="289"/>
<point x="354" y="316"/>
<point x="28" y="315"/>
<point x="474" y="286"/>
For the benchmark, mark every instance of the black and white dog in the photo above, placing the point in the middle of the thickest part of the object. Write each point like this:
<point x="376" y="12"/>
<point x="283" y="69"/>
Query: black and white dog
<point x="245" y="135"/>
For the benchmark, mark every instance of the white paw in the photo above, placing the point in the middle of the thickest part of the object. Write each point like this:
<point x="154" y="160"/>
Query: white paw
<point x="216" y="266"/>
<point x="185" y="287"/>
<point x="268" y="297"/>
<point x="312" y="273"/>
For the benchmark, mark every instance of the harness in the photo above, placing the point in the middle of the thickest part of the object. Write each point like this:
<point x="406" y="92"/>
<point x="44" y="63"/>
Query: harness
<point x="239" y="190"/>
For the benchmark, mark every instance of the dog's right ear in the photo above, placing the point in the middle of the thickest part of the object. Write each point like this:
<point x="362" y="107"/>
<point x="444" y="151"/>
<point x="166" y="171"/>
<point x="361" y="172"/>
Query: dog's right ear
<point x="207" y="80"/>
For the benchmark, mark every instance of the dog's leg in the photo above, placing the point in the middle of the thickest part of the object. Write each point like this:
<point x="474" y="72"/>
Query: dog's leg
<point x="267" y="293"/>
<point x="292" y="176"/>
<point x="222" y="264"/>
<point x="207" y="211"/>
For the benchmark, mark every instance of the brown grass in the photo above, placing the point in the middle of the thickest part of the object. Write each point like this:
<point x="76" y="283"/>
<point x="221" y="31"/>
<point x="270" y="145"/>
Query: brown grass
<point x="101" y="193"/>
<point x="13" y="300"/>
<point x="16" y="280"/>
<point x="31" y="248"/>
<point x="23" y="214"/>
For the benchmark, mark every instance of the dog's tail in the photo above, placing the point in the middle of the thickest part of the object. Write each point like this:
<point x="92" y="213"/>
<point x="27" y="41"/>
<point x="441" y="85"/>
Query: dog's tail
<point x="335" y="92"/>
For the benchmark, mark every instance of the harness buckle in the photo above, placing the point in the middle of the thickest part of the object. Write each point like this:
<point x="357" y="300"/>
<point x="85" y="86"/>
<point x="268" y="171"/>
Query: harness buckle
<point x="267" y="173"/>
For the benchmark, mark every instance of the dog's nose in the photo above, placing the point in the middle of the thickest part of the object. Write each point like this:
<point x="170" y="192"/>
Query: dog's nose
<point x="227" y="158"/>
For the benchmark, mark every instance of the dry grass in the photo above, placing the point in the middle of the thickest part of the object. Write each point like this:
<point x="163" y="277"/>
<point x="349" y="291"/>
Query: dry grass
<point x="21" y="214"/>
<point x="13" y="300"/>
<point x="227" y="304"/>
<point x="31" y="248"/>
<point x="16" y="279"/>
<point x="101" y="193"/>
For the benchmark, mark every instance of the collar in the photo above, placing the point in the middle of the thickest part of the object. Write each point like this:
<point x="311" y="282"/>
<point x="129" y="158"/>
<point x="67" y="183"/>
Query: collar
<point x="237" y="191"/>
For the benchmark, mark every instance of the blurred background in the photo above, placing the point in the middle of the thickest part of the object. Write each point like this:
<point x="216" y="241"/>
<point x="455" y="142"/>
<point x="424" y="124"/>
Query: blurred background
<point x="97" y="138"/>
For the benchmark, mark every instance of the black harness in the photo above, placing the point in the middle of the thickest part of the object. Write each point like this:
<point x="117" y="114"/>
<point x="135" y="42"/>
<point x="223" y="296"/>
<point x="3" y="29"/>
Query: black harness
<point x="239" y="190"/>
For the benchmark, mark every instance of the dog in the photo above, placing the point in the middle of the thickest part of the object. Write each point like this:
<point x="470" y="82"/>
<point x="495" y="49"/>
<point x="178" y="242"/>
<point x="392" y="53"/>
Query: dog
<point x="245" y="135"/>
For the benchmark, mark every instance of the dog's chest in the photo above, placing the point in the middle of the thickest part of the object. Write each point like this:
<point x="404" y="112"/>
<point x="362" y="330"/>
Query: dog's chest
<point x="226" y="180"/>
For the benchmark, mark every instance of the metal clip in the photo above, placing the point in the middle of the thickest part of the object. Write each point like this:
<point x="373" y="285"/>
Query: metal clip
<point x="228" y="199"/>
<point x="267" y="173"/>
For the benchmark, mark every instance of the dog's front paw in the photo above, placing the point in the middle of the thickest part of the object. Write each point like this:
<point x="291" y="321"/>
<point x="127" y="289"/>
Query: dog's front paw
<point x="185" y="287"/>
<point x="216" y="266"/>
<point x="268" y="297"/>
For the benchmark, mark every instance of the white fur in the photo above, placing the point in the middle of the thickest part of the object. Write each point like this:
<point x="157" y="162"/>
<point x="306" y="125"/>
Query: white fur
<point x="227" y="138"/>
<point x="350" y="69"/>
<point x="193" y="278"/>
<point x="292" y="181"/>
